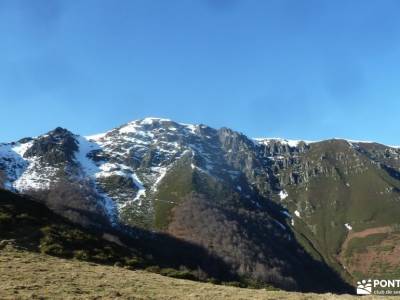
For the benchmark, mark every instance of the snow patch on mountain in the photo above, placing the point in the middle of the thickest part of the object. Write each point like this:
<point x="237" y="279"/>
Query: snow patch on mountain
<point x="348" y="226"/>
<point x="95" y="137"/>
<point x="105" y="169"/>
<point x="152" y="120"/>
<point x="295" y="143"/>
<point x="354" y="141"/>
<point x="139" y="185"/>
<point x="85" y="147"/>
<point x="141" y="193"/>
<point x="290" y="143"/>
<point x="283" y="194"/>
<point x="161" y="171"/>
<point x="36" y="176"/>
<point x="24" y="174"/>
<point x="21" y="148"/>
<point x="190" y="127"/>
<point x="90" y="170"/>
<point x="12" y="162"/>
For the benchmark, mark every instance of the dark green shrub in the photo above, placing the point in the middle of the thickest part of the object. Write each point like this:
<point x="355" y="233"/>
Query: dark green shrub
<point x="81" y="254"/>
<point x="213" y="280"/>
<point x="134" y="262"/>
<point x="153" y="269"/>
<point x="52" y="249"/>
<point x="232" y="283"/>
<point x="5" y="219"/>
<point x="182" y="274"/>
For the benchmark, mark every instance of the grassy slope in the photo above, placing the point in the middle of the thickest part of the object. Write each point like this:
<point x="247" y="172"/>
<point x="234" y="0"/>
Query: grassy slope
<point x="28" y="275"/>
<point x="177" y="184"/>
<point x="356" y="193"/>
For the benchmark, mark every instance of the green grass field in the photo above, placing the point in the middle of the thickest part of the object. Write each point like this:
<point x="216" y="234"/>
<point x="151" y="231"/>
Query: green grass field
<point x="28" y="275"/>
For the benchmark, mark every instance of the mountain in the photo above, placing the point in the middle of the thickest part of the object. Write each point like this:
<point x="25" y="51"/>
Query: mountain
<point x="269" y="208"/>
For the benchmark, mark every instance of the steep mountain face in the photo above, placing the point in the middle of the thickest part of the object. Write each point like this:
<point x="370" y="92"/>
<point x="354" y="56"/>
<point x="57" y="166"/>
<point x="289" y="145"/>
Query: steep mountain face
<point x="344" y="202"/>
<point x="48" y="167"/>
<point x="268" y="207"/>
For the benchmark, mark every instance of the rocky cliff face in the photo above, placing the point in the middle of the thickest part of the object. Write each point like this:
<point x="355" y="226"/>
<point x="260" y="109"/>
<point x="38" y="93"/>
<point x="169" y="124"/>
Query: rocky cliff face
<point x="269" y="207"/>
<point x="335" y="189"/>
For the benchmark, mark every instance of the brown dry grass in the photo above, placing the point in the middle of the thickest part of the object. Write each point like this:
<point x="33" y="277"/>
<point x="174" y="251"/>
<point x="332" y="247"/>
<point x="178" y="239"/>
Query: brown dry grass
<point x="381" y="258"/>
<point x="26" y="275"/>
<point x="361" y="234"/>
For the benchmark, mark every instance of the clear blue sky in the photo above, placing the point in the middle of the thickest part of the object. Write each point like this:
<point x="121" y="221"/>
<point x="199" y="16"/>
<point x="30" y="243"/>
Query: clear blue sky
<point x="297" y="69"/>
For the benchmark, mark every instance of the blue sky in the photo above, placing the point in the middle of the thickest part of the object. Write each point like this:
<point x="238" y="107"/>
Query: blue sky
<point x="296" y="69"/>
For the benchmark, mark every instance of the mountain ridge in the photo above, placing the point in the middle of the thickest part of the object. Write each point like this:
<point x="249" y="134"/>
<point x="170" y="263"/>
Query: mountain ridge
<point x="277" y="201"/>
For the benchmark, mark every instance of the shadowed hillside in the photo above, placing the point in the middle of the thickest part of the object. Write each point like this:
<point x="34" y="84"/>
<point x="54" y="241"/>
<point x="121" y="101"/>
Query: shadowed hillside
<point x="30" y="225"/>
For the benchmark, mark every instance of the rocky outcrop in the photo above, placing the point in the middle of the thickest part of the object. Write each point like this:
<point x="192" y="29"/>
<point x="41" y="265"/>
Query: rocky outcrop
<point x="56" y="147"/>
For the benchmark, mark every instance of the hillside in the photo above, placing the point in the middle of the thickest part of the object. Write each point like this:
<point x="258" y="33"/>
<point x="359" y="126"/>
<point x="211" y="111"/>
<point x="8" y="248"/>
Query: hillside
<point x="30" y="225"/>
<point x="26" y="275"/>
<point x="345" y="205"/>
